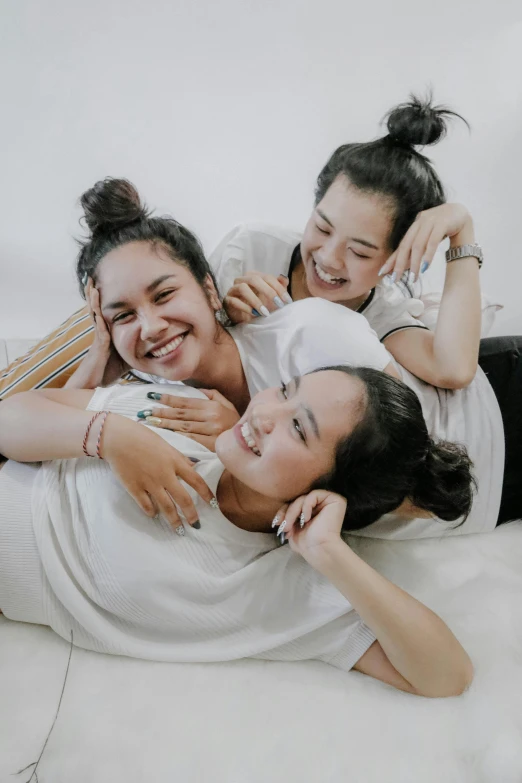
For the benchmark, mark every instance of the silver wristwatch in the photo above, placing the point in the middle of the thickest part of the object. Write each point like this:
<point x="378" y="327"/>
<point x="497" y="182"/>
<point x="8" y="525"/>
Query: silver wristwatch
<point x="465" y="251"/>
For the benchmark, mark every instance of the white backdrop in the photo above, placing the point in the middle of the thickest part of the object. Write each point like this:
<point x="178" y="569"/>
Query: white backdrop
<point x="222" y="111"/>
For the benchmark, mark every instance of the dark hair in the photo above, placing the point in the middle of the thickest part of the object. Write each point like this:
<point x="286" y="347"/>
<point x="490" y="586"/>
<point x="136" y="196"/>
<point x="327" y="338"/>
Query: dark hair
<point x="390" y="457"/>
<point x="391" y="167"/>
<point x="115" y="216"/>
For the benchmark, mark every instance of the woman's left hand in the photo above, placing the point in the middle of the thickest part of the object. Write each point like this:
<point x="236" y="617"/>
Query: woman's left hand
<point x="201" y="420"/>
<point x="420" y="243"/>
<point x="313" y="523"/>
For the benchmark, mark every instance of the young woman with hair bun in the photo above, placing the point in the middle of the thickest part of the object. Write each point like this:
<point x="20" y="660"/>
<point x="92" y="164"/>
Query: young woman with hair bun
<point x="380" y="212"/>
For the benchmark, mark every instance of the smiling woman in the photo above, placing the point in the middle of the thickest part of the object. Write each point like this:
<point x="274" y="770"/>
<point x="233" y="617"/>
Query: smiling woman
<point x="82" y="557"/>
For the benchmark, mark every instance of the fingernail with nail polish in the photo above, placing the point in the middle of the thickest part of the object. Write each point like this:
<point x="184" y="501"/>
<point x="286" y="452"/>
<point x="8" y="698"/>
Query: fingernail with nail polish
<point x="281" y="527"/>
<point x="424" y="266"/>
<point x="214" y="503"/>
<point x="275" y="521"/>
<point x="278" y="302"/>
<point x="302" y="519"/>
<point x="265" y="311"/>
<point x="393" y="277"/>
<point x="285" y="276"/>
<point x="282" y="538"/>
<point x="381" y="270"/>
<point x="154" y="420"/>
<point x="255" y="313"/>
<point x="153" y="396"/>
<point x="144" y="414"/>
<point x="196" y="525"/>
<point x="194" y="460"/>
<point x="85" y="279"/>
<point x="180" y="530"/>
<point x="287" y="298"/>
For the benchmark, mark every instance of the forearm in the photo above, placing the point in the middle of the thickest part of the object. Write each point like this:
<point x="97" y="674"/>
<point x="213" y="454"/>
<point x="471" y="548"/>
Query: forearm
<point x="457" y="334"/>
<point x="34" y="428"/>
<point x="415" y="640"/>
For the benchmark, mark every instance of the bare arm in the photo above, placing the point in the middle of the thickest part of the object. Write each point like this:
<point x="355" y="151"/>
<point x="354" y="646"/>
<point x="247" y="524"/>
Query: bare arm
<point x="42" y="425"/>
<point x="448" y="357"/>
<point x="415" y="650"/>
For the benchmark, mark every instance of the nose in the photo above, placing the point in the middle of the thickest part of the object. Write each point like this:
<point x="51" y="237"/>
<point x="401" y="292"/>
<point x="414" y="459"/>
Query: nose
<point x="332" y="256"/>
<point x="151" y="325"/>
<point x="264" y="418"/>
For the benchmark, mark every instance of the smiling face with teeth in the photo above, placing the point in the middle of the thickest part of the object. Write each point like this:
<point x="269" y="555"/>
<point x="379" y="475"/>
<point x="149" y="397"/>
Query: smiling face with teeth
<point x="161" y="320"/>
<point x="287" y="438"/>
<point x="345" y="243"/>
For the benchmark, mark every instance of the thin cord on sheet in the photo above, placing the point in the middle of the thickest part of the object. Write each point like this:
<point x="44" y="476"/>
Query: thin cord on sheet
<point x="35" y="763"/>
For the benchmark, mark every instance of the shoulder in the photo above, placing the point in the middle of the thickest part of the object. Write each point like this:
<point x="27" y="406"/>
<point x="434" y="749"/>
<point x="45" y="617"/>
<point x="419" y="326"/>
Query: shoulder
<point x="325" y="316"/>
<point x="257" y="237"/>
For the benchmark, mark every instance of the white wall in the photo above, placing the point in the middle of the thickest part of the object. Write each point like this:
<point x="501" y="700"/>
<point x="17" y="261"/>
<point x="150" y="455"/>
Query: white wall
<point x="224" y="110"/>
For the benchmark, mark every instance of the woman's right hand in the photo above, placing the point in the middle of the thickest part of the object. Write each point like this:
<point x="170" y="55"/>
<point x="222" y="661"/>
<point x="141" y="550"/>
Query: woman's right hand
<point x="151" y="471"/>
<point x="255" y="295"/>
<point x="101" y="365"/>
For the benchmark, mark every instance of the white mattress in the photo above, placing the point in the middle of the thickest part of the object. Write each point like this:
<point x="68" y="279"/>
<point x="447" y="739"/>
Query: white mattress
<point x="127" y="721"/>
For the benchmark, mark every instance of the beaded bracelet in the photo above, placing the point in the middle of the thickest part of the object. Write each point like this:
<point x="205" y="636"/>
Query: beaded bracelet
<point x="104" y="415"/>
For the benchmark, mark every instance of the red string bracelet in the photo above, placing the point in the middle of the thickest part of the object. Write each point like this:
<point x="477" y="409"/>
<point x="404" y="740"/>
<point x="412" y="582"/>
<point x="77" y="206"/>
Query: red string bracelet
<point x="85" y="437"/>
<point x="102" y="425"/>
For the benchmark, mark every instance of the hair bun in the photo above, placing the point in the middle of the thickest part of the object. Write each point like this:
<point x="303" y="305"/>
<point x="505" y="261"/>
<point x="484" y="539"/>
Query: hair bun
<point x="112" y="204"/>
<point x="418" y="122"/>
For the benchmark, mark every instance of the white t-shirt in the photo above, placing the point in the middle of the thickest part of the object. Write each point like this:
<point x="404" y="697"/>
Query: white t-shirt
<point x="128" y="585"/>
<point x="269" y="249"/>
<point x="389" y="308"/>
<point x="301" y="337"/>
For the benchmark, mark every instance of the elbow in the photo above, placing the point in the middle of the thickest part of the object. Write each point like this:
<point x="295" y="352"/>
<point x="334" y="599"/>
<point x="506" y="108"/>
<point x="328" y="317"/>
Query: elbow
<point x="457" y="683"/>
<point x="455" y="378"/>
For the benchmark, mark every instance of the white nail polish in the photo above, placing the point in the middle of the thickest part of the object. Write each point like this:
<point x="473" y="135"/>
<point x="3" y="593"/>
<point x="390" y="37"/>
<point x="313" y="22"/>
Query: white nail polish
<point x="302" y="519"/>
<point x="264" y="311"/>
<point x="180" y="530"/>
<point x="287" y="298"/>
<point x="381" y="270"/>
<point x="214" y="503"/>
<point x="281" y="527"/>
<point x="275" y="521"/>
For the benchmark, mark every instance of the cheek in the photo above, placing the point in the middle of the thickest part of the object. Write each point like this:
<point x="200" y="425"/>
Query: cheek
<point x="124" y="339"/>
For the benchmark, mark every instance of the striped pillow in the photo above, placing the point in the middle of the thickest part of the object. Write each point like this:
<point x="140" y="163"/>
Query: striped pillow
<point x="53" y="360"/>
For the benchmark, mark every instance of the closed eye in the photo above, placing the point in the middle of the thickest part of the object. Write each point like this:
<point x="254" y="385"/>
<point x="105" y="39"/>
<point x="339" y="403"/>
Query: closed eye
<point x="322" y="230"/>
<point x="359" y="255"/>
<point x="164" y="294"/>
<point x="121" y="317"/>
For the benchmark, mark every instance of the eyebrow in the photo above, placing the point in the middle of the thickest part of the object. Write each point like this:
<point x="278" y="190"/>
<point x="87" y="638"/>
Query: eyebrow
<point x="352" y="239"/>
<point x="150" y="288"/>
<point x="309" y="413"/>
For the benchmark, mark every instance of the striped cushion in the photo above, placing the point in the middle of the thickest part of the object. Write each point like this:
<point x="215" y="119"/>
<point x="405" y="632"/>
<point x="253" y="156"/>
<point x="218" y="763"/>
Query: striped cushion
<point x="53" y="360"/>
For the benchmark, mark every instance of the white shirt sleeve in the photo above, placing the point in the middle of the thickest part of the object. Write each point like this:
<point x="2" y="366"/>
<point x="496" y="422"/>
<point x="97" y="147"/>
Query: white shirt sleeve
<point x="252" y="247"/>
<point x="392" y="310"/>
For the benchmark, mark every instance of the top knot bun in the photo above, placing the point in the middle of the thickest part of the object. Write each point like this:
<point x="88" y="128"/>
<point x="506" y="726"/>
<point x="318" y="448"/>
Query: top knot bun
<point x="417" y="122"/>
<point x="112" y="204"/>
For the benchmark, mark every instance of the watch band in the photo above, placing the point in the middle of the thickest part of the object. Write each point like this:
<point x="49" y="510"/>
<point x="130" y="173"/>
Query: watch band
<point x="465" y="251"/>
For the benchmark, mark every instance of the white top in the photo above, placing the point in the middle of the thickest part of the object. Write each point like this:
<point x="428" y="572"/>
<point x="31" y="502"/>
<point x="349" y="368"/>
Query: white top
<point x="128" y="585"/>
<point x="268" y="249"/>
<point x="301" y="337"/>
<point x="390" y="308"/>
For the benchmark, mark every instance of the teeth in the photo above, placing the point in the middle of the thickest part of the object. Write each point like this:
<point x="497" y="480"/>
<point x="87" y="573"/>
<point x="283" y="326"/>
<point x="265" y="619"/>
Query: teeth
<point x="249" y="440"/>
<point x="168" y="348"/>
<point x="325" y="277"/>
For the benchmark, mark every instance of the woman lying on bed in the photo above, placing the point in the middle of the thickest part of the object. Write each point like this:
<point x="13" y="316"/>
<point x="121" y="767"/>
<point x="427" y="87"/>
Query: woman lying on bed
<point x="201" y="582"/>
<point x="78" y="554"/>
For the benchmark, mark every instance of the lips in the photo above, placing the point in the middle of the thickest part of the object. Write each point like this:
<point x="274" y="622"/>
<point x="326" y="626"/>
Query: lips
<point x="249" y="439"/>
<point x="168" y="347"/>
<point x="326" y="277"/>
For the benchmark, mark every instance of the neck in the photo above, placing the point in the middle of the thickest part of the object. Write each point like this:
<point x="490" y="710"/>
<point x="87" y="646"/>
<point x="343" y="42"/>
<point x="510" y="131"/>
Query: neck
<point x="300" y="289"/>
<point x="244" y="507"/>
<point x="224" y="372"/>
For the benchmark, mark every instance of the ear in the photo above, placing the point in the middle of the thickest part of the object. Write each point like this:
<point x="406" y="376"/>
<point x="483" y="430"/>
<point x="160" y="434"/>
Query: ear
<point x="212" y="293"/>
